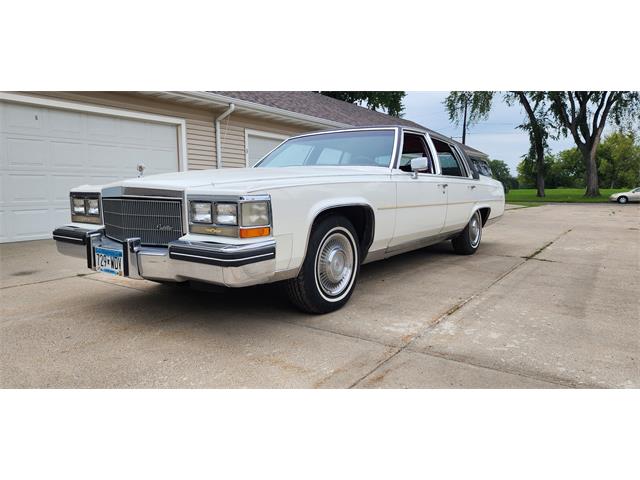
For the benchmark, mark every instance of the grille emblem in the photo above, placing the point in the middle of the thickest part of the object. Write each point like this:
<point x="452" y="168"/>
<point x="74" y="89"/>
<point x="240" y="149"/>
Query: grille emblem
<point x="164" y="228"/>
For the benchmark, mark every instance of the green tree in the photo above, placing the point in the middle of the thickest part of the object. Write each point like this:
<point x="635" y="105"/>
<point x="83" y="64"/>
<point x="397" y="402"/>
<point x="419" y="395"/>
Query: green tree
<point x="618" y="158"/>
<point x="570" y="161"/>
<point x="526" y="172"/>
<point x="391" y="102"/>
<point x="468" y="108"/>
<point x="584" y="115"/>
<point x="476" y="106"/>
<point x="500" y="171"/>
<point x="537" y="125"/>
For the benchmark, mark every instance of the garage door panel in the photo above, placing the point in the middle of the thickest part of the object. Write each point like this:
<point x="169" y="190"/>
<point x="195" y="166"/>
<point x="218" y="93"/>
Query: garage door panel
<point x="134" y="132"/>
<point x="61" y="184"/>
<point x="68" y="154"/>
<point x="132" y="157"/>
<point x="105" y="157"/>
<point x="102" y="128"/>
<point x="66" y="124"/>
<point x="61" y="215"/>
<point x="155" y="161"/>
<point x="3" y="228"/>
<point x="25" y="188"/>
<point x="29" y="224"/>
<point x="103" y="179"/>
<point x="164" y="136"/>
<point x="44" y="152"/>
<point x="26" y="119"/>
<point x="26" y="152"/>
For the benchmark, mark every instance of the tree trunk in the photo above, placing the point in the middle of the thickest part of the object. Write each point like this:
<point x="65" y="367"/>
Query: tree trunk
<point x="539" y="164"/>
<point x="589" y="158"/>
<point x="540" y="183"/>
<point x="464" y="124"/>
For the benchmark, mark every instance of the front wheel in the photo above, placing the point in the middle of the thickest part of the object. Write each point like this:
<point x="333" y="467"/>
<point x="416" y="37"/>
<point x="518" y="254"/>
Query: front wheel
<point x="469" y="240"/>
<point x="328" y="275"/>
<point x="622" y="200"/>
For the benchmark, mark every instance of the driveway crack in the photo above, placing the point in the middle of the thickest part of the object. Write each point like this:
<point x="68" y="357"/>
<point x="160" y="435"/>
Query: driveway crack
<point x="457" y="307"/>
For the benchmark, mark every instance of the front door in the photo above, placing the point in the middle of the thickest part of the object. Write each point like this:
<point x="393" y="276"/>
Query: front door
<point x="421" y="199"/>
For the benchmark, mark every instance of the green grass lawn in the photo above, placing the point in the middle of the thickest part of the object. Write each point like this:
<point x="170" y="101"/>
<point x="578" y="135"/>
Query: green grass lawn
<point x="568" y="195"/>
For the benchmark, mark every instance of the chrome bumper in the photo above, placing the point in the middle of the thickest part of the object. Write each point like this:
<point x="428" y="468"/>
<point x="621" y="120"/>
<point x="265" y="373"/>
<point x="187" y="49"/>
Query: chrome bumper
<point x="218" y="263"/>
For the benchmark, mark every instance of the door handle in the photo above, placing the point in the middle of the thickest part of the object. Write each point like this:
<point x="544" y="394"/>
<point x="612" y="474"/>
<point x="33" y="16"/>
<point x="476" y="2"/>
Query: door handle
<point x="472" y="187"/>
<point x="443" y="185"/>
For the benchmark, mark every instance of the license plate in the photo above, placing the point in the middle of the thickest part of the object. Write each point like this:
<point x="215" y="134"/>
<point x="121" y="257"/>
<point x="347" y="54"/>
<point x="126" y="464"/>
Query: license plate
<point x="109" y="261"/>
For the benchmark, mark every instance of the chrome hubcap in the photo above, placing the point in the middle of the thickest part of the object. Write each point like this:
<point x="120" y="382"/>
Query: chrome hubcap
<point x="474" y="231"/>
<point x="335" y="264"/>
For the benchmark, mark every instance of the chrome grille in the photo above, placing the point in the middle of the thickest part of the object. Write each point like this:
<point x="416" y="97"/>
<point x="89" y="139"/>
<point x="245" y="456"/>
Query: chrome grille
<point x="155" y="222"/>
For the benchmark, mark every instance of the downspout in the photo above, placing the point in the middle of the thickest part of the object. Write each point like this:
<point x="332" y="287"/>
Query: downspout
<point x="224" y="115"/>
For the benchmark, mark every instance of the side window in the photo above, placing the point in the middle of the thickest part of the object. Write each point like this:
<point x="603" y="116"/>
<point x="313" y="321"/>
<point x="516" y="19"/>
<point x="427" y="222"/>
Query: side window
<point x="414" y="146"/>
<point x="482" y="167"/>
<point x="450" y="163"/>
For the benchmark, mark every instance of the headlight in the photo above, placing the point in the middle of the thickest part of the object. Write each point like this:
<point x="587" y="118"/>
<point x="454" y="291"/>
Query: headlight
<point x="255" y="214"/>
<point x="78" y="206"/>
<point x="93" y="206"/>
<point x="201" y="212"/>
<point x="226" y="214"/>
<point x="85" y="208"/>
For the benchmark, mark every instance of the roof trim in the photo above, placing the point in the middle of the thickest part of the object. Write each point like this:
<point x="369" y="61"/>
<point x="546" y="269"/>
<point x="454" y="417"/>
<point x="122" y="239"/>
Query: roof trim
<point x="218" y="99"/>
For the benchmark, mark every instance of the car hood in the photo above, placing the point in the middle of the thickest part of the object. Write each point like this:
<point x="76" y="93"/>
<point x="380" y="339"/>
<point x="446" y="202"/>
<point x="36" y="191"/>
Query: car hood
<point x="249" y="179"/>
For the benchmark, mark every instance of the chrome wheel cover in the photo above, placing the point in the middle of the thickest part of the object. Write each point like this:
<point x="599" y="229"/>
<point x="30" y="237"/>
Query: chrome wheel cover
<point x="335" y="264"/>
<point x="475" y="230"/>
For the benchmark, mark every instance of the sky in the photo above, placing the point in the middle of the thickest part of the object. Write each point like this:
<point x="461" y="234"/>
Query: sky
<point x="497" y="136"/>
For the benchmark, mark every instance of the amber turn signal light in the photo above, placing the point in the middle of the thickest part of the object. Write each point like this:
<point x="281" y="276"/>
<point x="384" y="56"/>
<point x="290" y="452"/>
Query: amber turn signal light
<point x="255" y="232"/>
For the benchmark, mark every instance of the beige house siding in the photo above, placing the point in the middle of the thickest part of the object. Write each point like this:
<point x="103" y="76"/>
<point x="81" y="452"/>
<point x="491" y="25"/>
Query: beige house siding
<point x="200" y="124"/>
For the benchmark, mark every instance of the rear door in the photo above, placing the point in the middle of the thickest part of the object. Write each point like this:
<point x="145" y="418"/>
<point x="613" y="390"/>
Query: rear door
<point x="460" y="186"/>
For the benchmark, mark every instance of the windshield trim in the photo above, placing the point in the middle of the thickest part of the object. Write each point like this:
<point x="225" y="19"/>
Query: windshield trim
<point x="394" y="151"/>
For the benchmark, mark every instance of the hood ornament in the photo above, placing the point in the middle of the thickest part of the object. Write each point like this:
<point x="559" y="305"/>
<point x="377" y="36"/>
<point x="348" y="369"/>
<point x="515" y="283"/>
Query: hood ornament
<point x="140" y="167"/>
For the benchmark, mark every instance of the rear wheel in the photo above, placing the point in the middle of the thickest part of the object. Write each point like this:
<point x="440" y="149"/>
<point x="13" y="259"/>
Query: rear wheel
<point x="469" y="240"/>
<point x="328" y="275"/>
<point x="622" y="200"/>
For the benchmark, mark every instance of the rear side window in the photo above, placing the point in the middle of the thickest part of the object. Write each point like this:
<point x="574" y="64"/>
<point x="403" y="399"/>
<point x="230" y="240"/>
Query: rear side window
<point x="450" y="163"/>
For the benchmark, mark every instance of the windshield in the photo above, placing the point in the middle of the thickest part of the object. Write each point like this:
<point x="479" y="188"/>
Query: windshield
<point x="371" y="148"/>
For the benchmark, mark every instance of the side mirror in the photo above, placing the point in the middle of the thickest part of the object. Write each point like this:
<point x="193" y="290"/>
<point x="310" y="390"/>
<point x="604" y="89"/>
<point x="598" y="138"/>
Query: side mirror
<point x="419" y="164"/>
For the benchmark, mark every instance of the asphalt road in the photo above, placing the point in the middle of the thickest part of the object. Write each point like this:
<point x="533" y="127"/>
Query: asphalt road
<point x="550" y="300"/>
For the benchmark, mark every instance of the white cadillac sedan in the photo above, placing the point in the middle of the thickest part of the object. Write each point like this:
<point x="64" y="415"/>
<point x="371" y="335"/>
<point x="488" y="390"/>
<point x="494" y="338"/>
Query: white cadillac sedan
<point x="308" y="214"/>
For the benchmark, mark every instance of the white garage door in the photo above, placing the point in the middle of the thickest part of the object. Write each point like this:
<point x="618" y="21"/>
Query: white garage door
<point x="45" y="151"/>
<point x="258" y="145"/>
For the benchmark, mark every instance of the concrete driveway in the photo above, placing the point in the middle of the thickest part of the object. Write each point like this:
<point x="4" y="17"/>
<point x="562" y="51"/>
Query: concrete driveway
<point x="550" y="300"/>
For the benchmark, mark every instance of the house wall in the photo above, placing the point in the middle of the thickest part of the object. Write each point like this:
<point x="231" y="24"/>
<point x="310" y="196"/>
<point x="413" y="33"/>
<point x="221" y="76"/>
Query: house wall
<point x="200" y="124"/>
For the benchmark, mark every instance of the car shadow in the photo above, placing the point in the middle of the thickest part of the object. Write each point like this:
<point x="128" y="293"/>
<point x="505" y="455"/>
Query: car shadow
<point x="198" y="302"/>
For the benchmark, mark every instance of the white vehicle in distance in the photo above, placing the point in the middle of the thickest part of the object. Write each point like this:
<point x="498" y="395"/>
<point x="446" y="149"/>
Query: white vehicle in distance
<point x="309" y="214"/>
<point x="626" y="197"/>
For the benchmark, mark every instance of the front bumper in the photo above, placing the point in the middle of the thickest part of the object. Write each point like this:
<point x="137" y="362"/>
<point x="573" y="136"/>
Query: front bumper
<point x="231" y="265"/>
